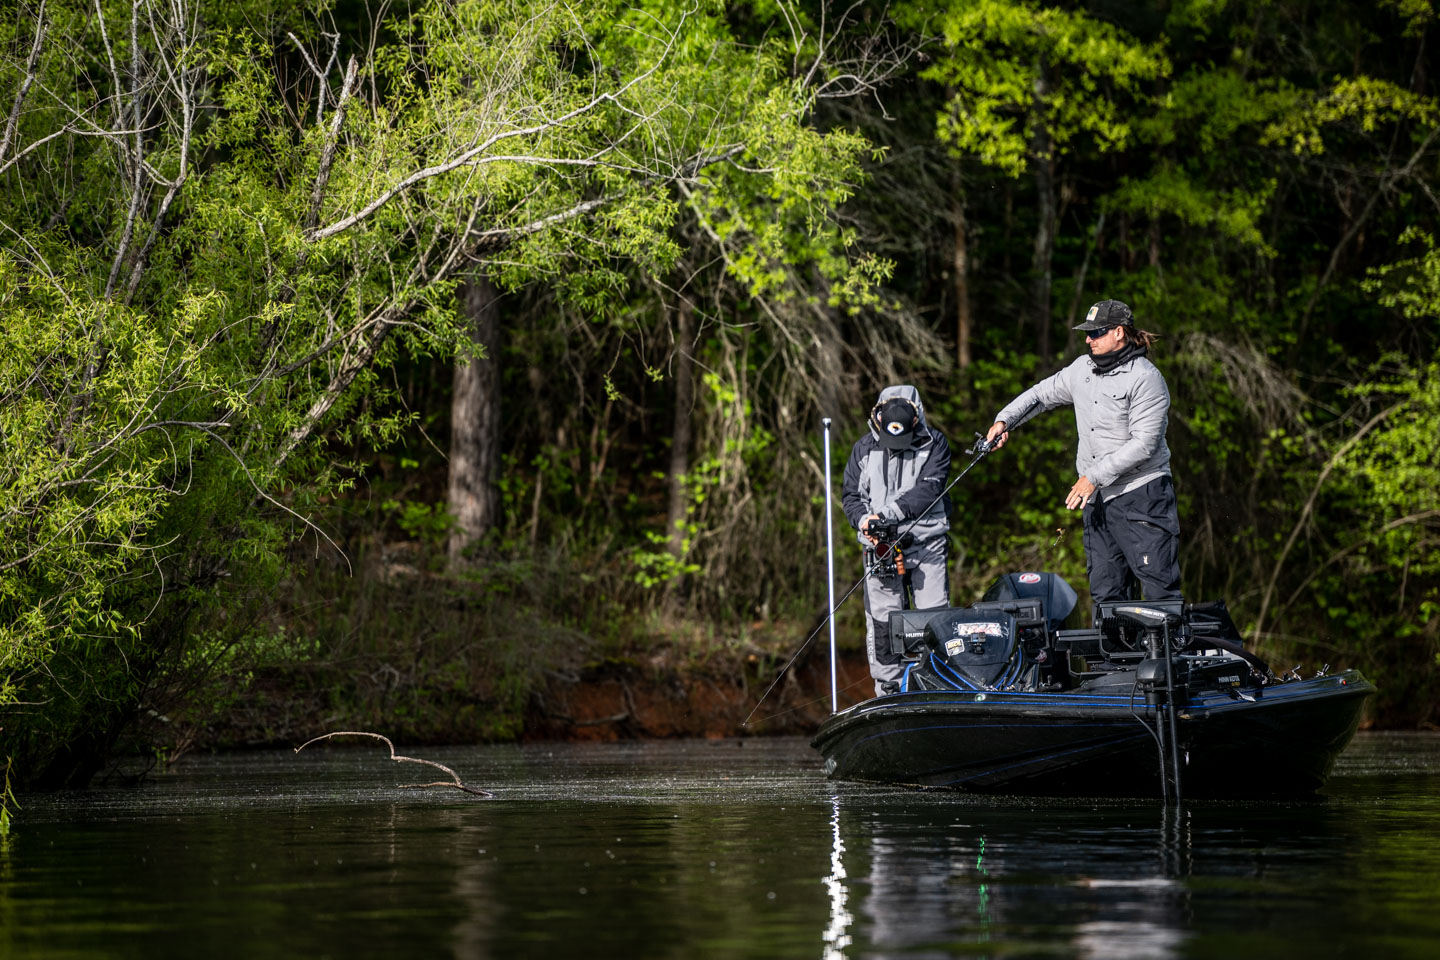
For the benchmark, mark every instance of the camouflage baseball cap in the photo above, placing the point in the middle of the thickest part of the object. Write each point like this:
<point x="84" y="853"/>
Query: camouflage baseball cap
<point x="1107" y="314"/>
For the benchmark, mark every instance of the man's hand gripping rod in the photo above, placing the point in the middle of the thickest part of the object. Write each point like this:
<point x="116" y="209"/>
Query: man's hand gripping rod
<point x="977" y="453"/>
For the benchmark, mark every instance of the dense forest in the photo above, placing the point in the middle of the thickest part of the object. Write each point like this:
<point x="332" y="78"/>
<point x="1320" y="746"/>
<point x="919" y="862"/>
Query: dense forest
<point x="364" y="363"/>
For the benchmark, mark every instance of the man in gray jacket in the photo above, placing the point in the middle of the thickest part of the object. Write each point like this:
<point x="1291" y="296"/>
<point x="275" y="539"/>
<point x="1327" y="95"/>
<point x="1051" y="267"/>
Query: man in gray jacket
<point x="1132" y="526"/>
<point x="895" y="476"/>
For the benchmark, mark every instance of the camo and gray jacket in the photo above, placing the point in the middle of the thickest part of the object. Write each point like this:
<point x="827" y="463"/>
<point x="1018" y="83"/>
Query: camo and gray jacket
<point x="898" y="485"/>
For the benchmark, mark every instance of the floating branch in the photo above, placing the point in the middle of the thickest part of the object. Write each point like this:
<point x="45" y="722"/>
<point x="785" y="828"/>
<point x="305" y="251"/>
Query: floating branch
<point x="399" y="759"/>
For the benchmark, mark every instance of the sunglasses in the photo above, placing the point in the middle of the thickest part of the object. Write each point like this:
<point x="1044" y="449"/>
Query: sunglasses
<point x="1097" y="334"/>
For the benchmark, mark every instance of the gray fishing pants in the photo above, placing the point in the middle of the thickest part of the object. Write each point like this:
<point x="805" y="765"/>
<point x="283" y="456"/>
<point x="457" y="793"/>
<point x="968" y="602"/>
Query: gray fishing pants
<point x="925" y="563"/>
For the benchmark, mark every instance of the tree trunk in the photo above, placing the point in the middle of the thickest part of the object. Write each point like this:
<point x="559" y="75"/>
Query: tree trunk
<point x="1043" y="159"/>
<point x="680" y="434"/>
<point x="961" y="269"/>
<point x="1073" y="316"/>
<point x="475" y="422"/>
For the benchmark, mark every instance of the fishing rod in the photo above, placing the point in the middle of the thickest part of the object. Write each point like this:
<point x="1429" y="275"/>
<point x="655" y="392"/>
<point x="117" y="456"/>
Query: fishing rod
<point x="977" y="452"/>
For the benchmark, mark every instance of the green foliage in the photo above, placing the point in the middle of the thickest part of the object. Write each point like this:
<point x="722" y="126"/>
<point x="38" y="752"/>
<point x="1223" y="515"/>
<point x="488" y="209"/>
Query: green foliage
<point x="7" y="800"/>
<point x="195" y="372"/>
<point x="426" y="522"/>
<point x="1015" y="67"/>
<point x="1397" y="464"/>
<point x="657" y="566"/>
<point x="1363" y="102"/>
<point x="1235" y="215"/>
<point x="198" y="316"/>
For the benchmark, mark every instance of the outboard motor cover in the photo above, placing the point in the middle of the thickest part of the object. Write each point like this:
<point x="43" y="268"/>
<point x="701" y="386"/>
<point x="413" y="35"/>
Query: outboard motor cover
<point x="1057" y="596"/>
<point x="979" y="645"/>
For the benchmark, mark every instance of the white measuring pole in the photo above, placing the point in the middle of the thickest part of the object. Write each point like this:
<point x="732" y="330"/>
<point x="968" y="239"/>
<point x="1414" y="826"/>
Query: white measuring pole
<point x="830" y="570"/>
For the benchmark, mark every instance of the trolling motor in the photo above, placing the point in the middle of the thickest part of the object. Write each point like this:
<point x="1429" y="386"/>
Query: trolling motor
<point x="1156" y="678"/>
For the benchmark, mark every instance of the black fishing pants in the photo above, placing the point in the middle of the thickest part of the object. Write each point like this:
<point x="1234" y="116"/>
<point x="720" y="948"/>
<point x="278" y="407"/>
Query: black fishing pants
<point x="1136" y="534"/>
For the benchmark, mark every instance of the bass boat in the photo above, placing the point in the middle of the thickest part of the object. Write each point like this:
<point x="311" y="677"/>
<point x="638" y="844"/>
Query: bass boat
<point x="1157" y="698"/>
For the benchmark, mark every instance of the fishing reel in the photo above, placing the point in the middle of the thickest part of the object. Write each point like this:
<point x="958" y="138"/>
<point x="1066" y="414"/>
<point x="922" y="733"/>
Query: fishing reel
<point x="889" y="561"/>
<point x="888" y="533"/>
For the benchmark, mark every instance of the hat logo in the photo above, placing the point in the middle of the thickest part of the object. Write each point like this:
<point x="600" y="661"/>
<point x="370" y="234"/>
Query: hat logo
<point x="895" y="428"/>
<point x="1091" y="315"/>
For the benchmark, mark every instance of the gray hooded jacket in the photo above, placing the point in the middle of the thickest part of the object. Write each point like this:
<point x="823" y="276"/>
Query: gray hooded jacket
<point x="1121" y="417"/>
<point x="898" y="485"/>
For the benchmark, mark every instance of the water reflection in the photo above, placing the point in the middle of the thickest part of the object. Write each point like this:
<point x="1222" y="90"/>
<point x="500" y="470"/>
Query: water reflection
<point x="941" y="879"/>
<point x="473" y="884"/>
<point x="836" y="936"/>
<point x="716" y="851"/>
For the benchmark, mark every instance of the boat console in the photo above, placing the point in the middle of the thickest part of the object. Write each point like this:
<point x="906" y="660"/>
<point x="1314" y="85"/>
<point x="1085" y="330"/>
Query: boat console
<point x="1047" y="652"/>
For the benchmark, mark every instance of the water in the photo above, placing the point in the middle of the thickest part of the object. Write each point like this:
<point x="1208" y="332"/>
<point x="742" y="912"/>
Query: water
<point x="710" y="849"/>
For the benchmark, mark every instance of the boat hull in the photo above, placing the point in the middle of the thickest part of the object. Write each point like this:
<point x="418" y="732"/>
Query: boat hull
<point x="1284" y="741"/>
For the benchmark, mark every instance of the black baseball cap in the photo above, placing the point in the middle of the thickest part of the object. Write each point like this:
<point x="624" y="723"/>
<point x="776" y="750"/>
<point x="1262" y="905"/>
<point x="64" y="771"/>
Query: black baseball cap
<point x="1107" y="314"/>
<point x="895" y="421"/>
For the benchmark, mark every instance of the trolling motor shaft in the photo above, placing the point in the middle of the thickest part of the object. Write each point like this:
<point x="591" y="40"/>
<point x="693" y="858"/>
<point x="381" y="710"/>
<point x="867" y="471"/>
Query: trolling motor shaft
<point x="1153" y="676"/>
<point x="1156" y="678"/>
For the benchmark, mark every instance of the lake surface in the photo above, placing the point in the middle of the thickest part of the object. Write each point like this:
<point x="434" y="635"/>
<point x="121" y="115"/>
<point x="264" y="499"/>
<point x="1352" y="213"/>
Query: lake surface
<point x="700" y="849"/>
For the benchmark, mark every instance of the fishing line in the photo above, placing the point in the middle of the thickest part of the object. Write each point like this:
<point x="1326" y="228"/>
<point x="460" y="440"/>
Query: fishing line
<point x="811" y="703"/>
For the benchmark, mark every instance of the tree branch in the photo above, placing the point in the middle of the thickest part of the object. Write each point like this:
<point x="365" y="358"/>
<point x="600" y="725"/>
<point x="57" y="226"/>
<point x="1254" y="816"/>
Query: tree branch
<point x="468" y="158"/>
<point x="1305" y="511"/>
<point x="454" y="777"/>
<point x="31" y="67"/>
<point x="327" y="156"/>
<point x="1359" y="222"/>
